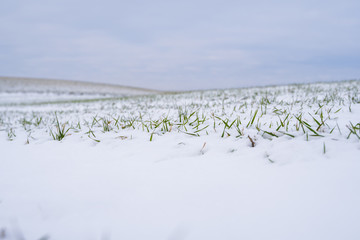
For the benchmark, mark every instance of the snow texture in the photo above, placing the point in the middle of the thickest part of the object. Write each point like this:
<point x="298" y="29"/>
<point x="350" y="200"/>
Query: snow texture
<point x="183" y="184"/>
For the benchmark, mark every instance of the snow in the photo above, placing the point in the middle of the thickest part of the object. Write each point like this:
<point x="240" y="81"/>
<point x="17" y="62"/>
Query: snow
<point x="34" y="88"/>
<point x="178" y="186"/>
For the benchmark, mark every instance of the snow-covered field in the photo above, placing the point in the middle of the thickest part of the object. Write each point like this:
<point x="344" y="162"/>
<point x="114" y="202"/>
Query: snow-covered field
<point x="22" y="91"/>
<point x="276" y="162"/>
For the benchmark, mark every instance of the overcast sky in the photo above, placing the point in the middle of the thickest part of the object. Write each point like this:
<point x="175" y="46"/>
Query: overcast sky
<point x="181" y="45"/>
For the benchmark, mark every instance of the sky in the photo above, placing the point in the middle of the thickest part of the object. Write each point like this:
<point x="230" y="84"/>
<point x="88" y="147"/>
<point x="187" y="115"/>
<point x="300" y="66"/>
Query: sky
<point x="181" y="45"/>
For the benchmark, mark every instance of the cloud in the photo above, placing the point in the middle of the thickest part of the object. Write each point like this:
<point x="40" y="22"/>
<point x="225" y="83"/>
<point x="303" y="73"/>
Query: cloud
<point x="181" y="45"/>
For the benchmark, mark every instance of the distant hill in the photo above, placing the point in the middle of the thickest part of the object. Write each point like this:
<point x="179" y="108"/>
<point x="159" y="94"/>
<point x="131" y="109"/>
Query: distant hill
<point x="20" y="84"/>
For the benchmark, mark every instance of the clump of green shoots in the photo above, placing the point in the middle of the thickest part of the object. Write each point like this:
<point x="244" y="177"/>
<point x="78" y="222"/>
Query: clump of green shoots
<point x="61" y="130"/>
<point x="354" y="130"/>
<point x="106" y="125"/>
<point x="11" y="134"/>
<point x="38" y="121"/>
<point x="91" y="135"/>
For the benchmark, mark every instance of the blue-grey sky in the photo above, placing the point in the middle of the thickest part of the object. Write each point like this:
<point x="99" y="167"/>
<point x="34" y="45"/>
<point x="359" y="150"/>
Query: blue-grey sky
<point x="181" y="45"/>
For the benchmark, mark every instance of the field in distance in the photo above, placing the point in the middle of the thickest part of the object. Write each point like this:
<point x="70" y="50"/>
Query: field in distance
<point x="16" y="90"/>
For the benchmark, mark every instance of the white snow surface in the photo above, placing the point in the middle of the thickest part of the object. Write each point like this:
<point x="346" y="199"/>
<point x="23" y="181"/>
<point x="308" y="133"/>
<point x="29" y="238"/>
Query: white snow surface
<point x="179" y="186"/>
<point x="17" y="90"/>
